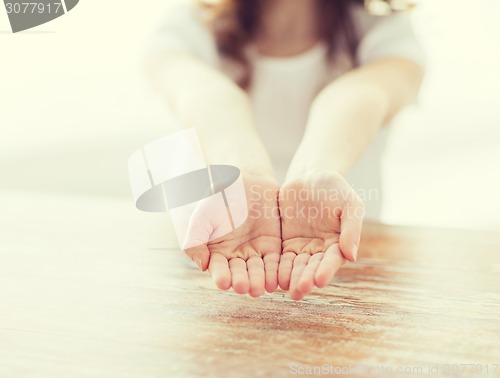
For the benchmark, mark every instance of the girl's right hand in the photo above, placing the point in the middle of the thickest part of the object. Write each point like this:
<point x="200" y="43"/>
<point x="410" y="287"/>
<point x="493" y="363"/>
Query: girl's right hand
<point x="247" y="258"/>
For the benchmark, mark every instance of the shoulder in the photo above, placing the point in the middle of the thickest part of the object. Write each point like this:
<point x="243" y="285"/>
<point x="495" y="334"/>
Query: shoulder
<point x="183" y="27"/>
<point x="183" y="16"/>
<point x="366" y="22"/>
<point x="381" y="36"/>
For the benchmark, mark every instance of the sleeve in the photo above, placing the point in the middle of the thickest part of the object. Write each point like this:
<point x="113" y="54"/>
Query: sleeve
<point x="182" y="29"/>
<point x="383" y="36"/>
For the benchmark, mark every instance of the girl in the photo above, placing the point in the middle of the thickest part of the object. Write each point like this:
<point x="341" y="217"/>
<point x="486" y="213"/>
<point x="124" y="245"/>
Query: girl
<point x="296" y="94"/>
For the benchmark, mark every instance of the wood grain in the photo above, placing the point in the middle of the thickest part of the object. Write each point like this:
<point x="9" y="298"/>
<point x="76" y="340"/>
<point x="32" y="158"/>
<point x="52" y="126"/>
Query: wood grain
<point x="91" y="288"/>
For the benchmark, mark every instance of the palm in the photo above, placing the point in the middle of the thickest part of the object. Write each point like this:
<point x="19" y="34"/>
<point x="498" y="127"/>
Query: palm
<point x="321" y="223"/>
<point x="247" y="259"/>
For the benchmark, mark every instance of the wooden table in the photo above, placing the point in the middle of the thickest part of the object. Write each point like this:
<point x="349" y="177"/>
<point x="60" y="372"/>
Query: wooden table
<point x="90" y="287"/>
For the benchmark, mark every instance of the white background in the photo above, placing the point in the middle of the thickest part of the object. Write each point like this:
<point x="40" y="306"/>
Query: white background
<point x="74" y="103"/>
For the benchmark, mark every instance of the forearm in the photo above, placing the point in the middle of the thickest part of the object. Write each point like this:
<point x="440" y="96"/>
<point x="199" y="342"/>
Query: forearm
<point x="349" y="112"/>
<point x="224" y="122"/>
<point x="220" y="111"/>
<point x="342" y="122"/>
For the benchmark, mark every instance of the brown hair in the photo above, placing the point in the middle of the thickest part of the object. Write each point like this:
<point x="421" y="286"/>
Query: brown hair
<point x="233" y="23"/>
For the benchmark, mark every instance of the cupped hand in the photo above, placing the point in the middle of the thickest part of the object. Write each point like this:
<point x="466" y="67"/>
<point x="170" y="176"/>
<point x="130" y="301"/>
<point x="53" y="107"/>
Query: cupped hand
<point x="321" y="220"/>
<point x="247" y="258"/>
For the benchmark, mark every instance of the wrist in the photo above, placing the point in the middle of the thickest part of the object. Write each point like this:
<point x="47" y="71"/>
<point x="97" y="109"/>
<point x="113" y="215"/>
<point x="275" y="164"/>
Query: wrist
<point x="317" y="173"/>
<point x="258" y="172"/>
<point x="317" y="153"/>
<point x="242" y="151"/>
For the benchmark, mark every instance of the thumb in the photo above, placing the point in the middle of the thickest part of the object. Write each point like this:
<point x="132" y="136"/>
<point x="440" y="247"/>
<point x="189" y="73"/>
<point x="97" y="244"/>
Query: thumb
<point x="200" y="255"/>
<point x="196" y="238"/>
<point x="207" y="221"/>
<point x="351" y="222"/>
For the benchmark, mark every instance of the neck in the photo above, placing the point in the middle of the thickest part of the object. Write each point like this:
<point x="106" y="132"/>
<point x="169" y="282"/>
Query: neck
<point x="283" y="21"/>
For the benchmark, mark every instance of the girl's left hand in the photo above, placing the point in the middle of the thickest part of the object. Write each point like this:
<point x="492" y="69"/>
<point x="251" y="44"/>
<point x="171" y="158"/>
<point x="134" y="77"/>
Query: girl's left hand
<point x="321" y="219"/>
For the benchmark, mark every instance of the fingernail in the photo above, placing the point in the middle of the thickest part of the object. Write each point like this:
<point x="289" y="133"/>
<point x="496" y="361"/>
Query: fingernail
<point x="355" y="252"/>
<point x="197" y="260"/>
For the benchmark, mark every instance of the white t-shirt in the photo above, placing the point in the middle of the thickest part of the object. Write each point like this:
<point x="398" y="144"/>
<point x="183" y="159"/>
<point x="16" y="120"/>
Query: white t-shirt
<point x="282" y="89"/>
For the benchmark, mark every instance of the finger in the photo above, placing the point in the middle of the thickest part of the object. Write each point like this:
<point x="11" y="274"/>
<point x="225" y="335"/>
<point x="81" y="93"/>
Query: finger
<point x="299" y="264"/>
<point x="351" y="222"/>
<point x="331" y="262"/>
<point x="239" y="275"/>
<point x="256" y="276"/>
<point x="306" y="281"/>
<point x="200" y="255"/>
<point x="285" y="269"/>
<point x="271" y="263"/>
<point x="199" y="229"/>
<point x="219" y="269"/>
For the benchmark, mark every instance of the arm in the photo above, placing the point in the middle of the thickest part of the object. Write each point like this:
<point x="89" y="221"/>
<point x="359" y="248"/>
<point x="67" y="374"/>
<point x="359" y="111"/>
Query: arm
<point x="219" y="110"/>
<point x="347" y="114"/>
<point x="344" y="118"/>
<point x="246" y="258"/>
